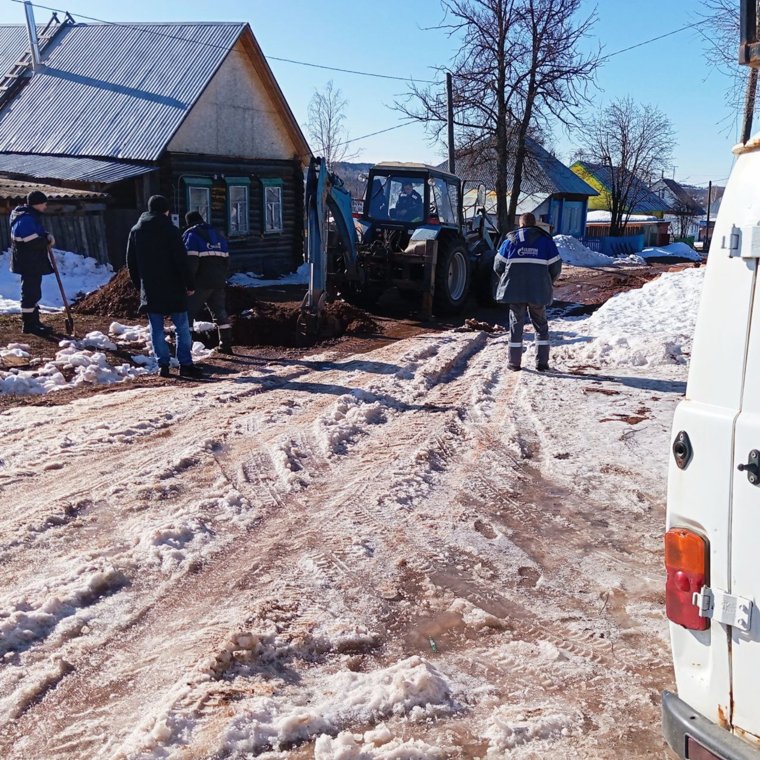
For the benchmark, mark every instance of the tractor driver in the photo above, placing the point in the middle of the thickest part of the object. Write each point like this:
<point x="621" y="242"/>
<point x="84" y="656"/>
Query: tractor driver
<point x="409" y="204"/>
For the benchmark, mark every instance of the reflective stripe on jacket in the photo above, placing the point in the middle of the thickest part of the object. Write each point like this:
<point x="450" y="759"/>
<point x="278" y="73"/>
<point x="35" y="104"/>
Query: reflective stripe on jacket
<point x="29" y="243"/>
<point x="208" y="256"/>
<point x="527" y="263"/>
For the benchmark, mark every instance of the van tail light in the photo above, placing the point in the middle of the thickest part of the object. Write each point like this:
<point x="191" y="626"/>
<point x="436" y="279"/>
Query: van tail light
<point x="686" y="567"/>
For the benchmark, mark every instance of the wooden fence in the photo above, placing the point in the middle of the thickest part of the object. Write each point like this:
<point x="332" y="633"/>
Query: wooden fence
<point x="80" y="233"/>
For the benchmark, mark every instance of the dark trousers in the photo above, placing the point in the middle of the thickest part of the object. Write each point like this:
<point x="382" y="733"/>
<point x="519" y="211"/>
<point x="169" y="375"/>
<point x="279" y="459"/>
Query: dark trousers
<point x="537" y="314"/>
<point x="215" y="299"/>
<point x="31" y="292"/>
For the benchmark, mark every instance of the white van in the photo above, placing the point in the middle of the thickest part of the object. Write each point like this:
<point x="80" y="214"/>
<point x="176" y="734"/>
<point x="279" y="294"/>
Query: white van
<point x="712" y="544"/>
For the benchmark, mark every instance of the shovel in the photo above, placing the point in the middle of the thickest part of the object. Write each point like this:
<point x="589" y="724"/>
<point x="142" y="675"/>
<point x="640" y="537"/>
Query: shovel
<point x="69" y="322"/>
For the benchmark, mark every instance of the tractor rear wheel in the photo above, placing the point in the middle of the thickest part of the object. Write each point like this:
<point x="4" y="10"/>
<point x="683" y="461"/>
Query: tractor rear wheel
<point x="452" y="278"/>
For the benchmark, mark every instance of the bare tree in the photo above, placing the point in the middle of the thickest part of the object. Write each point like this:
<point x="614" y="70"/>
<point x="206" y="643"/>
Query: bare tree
<point x="326" y="117"/>
<point x="517" y="66"/>
<point x="721" y="44"/>
<point x="634" y="143"/>
<point x="685" y="219"/>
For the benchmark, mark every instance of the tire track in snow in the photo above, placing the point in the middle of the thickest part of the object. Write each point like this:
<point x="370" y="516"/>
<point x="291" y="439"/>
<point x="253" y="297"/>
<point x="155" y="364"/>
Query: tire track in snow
<point x="434" y="378"/>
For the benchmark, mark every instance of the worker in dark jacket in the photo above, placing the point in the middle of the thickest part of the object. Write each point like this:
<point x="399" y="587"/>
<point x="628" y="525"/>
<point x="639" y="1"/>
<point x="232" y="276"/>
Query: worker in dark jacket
<point x="29" y="257"/>
<point x="158" y="268"/>
<point x="208" y="255"/>
<point x="409" y="204"/>
<point x="527" y="263"/>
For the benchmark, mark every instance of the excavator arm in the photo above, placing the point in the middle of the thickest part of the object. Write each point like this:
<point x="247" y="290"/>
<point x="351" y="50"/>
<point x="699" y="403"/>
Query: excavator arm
<point x="330" y="237"/>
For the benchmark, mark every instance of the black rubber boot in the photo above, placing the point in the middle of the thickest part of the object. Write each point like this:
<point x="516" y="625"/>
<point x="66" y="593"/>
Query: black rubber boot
<point x="41" y="329"/>
<point x="542" y="357"/>
<point x="225" y="340"/>
<point x="515" y="357"/>
<point x="190" y="370"/>
<point x="31" y="324"/>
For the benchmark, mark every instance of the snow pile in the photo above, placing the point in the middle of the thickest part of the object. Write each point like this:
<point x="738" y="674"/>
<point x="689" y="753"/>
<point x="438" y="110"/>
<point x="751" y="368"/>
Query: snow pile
<point x="32" y="616"/>
<point x="79" y="274"/>
<point x="651" y="326"/>
<point x="575" y="253"/>
<point x="674" y="250"/>
<point x="75" y="362"/>
<point x="130" y="333"/>
<point x="377" y="744"/>
<point x="14" y="355"/>
<point x="516" y="725"/>
<point x="412" y="687"/>
<point x="72" y="365"/>
<point x="252" y="280"/>
<point x="348" y="420"/>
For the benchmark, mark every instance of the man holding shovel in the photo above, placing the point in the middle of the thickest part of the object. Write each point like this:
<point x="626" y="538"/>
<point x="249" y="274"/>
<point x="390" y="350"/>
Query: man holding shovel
<point x="29" y="258"/>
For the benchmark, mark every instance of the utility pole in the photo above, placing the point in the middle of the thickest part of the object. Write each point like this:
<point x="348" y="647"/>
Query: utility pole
<point x="706" y="242"/>
<point x="450" y="119"/>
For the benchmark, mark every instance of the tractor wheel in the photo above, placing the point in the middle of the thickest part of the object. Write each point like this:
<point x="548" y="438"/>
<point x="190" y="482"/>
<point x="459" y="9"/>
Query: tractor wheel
<point x="452" y="278"/>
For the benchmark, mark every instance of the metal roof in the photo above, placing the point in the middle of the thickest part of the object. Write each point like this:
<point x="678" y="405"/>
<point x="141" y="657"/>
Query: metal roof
<point x="14" y="44"/>
<point x="70" y="169"/>
<point x="645" y="201"/>
<point x="12" y="189"/>
<point x="543" y="174"/>
<point x="409" y="166"/>
<point x="113" y="90"/>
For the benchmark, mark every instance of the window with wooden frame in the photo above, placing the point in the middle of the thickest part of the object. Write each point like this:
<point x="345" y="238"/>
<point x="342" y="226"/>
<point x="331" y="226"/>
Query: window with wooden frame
<point x="238" y="194"/>
<point x="198" y="196"/>
<point x="272" y="201"/>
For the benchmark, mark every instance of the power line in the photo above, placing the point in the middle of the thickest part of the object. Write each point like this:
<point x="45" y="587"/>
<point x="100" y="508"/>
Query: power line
<point x="334" y="68"/>
<point x="346" y="71"/>
<point x="372" y="134"/>
<point x="645" y="42"/>
<point x="222" y="47"/>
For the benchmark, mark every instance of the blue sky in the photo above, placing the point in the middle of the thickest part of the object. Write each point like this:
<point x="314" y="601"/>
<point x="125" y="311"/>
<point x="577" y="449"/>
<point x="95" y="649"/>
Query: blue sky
<point x="398" y="41"/>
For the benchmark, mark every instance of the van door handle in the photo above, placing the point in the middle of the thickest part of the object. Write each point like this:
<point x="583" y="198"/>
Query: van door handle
<point x="752" y="467"/>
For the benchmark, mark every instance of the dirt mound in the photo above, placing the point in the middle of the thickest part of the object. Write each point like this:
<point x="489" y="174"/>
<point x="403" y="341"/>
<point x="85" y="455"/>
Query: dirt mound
<point x="269" y="324"/>
<point x="117" y="298"/>
<point x="257" y="322"/>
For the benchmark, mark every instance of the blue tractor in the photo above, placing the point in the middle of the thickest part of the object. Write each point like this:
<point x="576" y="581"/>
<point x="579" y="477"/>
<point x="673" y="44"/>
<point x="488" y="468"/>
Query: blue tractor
<point x="410" y="234"/>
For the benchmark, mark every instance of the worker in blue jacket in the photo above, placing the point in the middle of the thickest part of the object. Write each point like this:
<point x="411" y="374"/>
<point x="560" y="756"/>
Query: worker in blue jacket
<point x="528" y="263"/>
<point x="29" y="257"/>
<point x="208" y="257"/>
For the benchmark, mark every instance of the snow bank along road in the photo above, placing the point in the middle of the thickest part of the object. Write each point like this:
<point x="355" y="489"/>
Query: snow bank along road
<point x="405" y="554"/>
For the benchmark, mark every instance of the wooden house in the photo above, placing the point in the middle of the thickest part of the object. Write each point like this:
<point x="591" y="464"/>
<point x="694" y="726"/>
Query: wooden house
<point x="188" y="110"/>
<point x="555" y="195"/>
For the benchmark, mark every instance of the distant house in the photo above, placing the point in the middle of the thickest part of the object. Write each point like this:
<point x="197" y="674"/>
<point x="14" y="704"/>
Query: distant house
<point x="643" y="202"/>
<point x="649" y="230"/>
<point x="189" y="110"/>
<point x="686" y="212"/>
<point x="549" y="189"/>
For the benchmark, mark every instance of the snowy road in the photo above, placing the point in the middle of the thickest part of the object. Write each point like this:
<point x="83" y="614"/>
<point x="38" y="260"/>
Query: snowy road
<point x="408" y="553"/>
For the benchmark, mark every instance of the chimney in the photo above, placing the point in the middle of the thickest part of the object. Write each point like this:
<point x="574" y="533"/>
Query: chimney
<point x="31" y="29"/>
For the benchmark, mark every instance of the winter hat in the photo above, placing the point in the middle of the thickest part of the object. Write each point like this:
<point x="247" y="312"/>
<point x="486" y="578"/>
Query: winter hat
<point x="192" y="218"/>
<point x="158" y="204"/>
<point x="36" y="197"/>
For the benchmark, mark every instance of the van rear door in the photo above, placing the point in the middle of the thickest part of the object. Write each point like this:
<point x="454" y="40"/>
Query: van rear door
<point x="699" y="495"/>
<point x="745" y="528"/>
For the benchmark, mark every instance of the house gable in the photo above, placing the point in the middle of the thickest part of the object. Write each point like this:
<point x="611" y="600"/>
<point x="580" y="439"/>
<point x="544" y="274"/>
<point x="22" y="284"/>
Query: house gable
<point x="600" y="201"/>
<point x="601" y="178"/>
<point x="238" y="115"/>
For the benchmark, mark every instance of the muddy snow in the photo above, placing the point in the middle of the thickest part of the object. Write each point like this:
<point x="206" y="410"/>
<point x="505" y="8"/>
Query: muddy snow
<point x="406" y="553"/>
